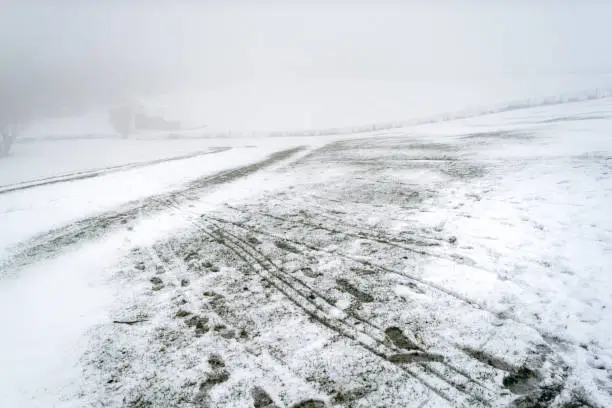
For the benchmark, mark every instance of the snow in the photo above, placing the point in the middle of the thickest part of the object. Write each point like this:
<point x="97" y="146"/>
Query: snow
<point x="293" y="104"/>
<point x="431" y="266"/>
<point x="26" y="213"/>
<point x="544" y="227"/>
<point x="33" y="161"/>
<point x="45" y="316"/>
<point x="49" y="314"/>
<point x="316" y="105"/>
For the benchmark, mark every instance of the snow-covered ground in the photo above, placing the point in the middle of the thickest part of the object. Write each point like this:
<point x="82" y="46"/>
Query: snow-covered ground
<point x="461" y="263"/>
<point x="294" y="103"/>
<point x="318" y="104"/>
<point x="42" y="176"/>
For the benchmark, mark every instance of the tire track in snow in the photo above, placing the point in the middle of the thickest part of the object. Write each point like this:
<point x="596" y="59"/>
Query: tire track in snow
<point x="86" y="174"/>
<point x="416" y="280"/>
<point x="365" y="263"/>
<point x="472" y="388"/>
<point x="361" y="233"/>
<point x="373" y="339"/>
<point x="53" y="242"/>
<point x="441" y="375"/>
<point x="549" y="356"/>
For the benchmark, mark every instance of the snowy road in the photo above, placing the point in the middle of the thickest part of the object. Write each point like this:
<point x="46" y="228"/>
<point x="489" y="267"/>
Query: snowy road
<point x="85" y="174"/>
<point x="463" y="263"/>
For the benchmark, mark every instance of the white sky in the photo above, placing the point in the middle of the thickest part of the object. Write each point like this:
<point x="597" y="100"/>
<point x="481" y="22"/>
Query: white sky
<point x="92" y="49"/>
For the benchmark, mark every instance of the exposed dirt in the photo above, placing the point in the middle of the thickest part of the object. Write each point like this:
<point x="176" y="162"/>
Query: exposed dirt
<point x="294" y="299"/>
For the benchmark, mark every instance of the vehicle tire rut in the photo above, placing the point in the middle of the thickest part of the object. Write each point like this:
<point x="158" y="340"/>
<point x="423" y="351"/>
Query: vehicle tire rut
<point x="55" y="241"/>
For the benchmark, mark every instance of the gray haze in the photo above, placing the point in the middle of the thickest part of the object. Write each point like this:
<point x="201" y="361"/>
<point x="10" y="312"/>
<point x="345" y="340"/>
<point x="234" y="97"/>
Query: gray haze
<point x="62" y="57"/>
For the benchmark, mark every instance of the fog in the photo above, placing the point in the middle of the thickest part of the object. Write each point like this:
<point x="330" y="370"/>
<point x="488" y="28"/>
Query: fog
<point x="282" y="65"/>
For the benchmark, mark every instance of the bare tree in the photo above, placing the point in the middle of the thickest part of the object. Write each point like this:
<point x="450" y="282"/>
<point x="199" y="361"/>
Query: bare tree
<point x="122" y="120"/>
<point x="13" y="99"/>
<point x="10" y="127"/>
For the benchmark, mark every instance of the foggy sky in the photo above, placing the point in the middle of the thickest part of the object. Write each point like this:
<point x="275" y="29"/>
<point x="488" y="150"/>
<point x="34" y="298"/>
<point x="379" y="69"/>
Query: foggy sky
<point x="59" y="55"/>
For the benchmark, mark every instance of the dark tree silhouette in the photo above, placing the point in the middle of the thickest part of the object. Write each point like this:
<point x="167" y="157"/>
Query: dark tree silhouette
<point x="11" y="125"/>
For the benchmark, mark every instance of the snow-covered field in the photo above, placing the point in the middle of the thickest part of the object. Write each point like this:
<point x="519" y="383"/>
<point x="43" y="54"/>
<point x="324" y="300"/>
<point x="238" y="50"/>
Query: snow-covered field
<point x="461" y="263"/>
